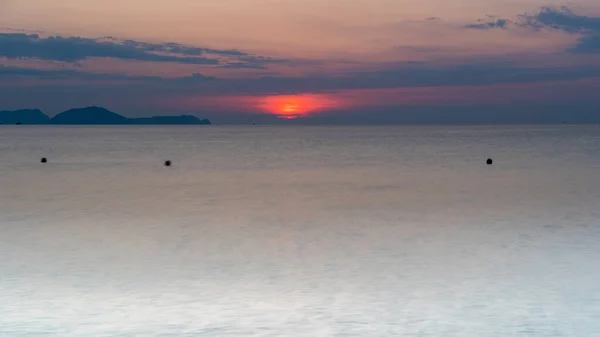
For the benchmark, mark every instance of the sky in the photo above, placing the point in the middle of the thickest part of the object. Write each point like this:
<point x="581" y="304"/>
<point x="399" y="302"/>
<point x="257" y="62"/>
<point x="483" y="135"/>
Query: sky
<point x="309" y="61"/>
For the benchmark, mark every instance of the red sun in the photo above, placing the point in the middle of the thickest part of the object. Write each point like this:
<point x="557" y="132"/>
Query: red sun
<point x="294" y="106"/>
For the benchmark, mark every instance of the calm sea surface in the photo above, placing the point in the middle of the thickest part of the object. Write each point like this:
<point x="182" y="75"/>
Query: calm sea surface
<point x="300" y="231"/>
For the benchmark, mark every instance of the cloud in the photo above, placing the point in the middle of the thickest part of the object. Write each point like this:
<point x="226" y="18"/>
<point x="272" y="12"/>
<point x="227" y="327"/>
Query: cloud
<point x="194" y="78"/>
<point x="491" y="23"/>
<point x="260" y="62"/>
<point x="401" y="75"/>
<point x="469" y="72"/>
<point x="73" y="49"/>
<point x="562" y="19"/>
<point x="69" y="74"/>
<point x="587" y="28"/>
<point x="587" y="44"/>
<point x="176" y="48"/>
<point x="253" y="59"/>
<point x="19" y="30"/>
<point x="242" y="65"/>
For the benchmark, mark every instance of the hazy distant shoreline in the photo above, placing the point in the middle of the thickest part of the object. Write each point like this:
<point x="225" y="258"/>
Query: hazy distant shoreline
<point x="93" y="116"/>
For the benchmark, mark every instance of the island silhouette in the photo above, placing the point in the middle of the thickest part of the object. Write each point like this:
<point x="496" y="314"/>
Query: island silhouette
<point x="93" y="115"/>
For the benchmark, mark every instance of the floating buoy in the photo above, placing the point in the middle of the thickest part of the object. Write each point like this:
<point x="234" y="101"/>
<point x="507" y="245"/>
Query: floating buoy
<point x="489" y="161"/>
<point x="168" y="163"/>
<point x="44" y="160"/>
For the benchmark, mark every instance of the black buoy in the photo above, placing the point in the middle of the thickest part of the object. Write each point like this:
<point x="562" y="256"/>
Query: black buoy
<point x="489" y="161"/>
<point x="168" y="163"/>
<point x="44" y="160"/>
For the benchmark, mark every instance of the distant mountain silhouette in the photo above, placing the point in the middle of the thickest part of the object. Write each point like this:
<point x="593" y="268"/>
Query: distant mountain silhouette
<point x="93" y="116"/>
<point x="27" y="116"/>
<point x="90" y="115"/>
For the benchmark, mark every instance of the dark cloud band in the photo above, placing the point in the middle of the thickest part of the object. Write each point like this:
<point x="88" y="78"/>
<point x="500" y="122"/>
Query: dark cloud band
<point x="563" y="19"/>
<point x="74" y="49"/>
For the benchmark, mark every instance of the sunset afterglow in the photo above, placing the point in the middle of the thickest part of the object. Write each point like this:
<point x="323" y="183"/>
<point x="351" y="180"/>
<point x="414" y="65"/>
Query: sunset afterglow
<point x="295" y="106"/>
<point x="330" y="60"/>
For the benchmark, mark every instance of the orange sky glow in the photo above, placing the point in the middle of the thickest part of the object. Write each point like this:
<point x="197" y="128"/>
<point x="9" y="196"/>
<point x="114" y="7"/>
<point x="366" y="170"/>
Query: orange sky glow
<point x="282" y="106"/>
<point x="294" y="59"/>
<point x="294" y="106"/>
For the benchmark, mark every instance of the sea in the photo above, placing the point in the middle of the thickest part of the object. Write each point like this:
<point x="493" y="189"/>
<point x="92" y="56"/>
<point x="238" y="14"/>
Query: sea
<point x="300" y="231"/>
